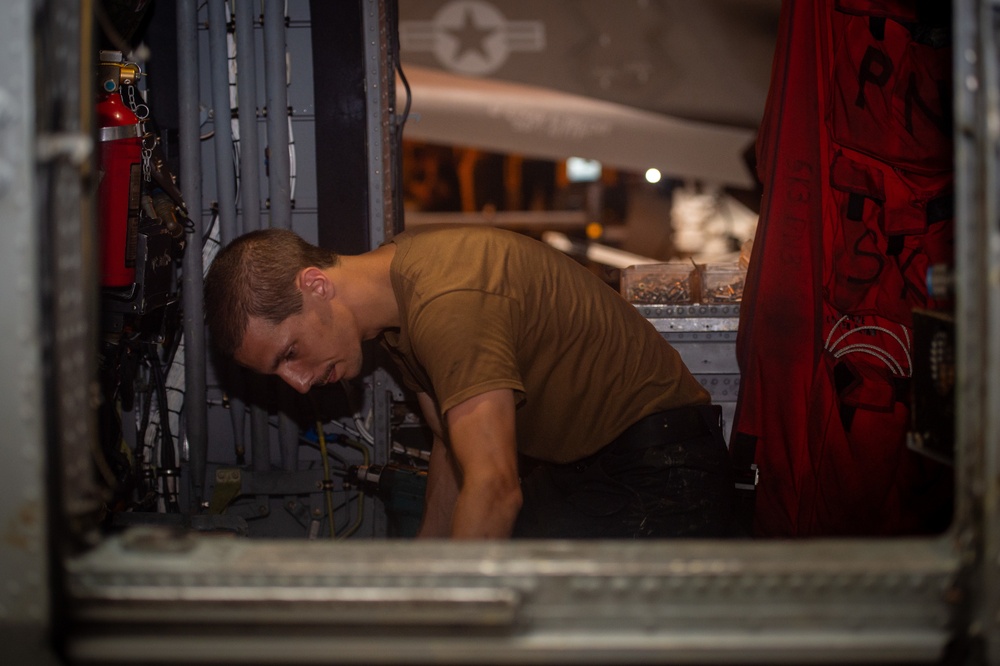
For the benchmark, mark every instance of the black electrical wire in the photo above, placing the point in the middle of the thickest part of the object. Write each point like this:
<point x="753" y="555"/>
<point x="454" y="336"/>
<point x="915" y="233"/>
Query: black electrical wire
<point x="171" y="351"/>
<point x="397" y="172"/>
<point x="146" y="492"/>
<point x="406" y="106"/>
<point x="398" y="148"/>
<point x="168" y="458"/>
<point x="143" y="425"/>
<point x="207" y="234"/>
<point x="398" y="67"/>
<point x="109" y="30"/>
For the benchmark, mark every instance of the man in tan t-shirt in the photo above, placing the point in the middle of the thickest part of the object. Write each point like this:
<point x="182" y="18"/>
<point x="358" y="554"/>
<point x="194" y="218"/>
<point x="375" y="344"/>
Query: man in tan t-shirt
<point x="524" y="365"/>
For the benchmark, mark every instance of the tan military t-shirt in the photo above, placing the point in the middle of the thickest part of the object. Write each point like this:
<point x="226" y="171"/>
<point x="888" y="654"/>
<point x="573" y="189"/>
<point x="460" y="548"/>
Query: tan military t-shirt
<point x="486" y="309"/>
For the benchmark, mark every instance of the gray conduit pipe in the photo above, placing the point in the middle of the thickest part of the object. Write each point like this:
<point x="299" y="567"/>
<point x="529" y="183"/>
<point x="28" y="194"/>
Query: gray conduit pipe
<point x="195" y="400"/>
<point x="246" y="89"/>
<point x="277" y="114"/>
<point x="279" y="180"/>
<point x="219" y="67"/>
<point x="225" y="179"/>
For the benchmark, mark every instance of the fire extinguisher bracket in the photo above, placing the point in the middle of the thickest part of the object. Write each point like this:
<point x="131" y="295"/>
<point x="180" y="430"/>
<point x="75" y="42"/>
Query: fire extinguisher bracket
<point x="120" y="132"/>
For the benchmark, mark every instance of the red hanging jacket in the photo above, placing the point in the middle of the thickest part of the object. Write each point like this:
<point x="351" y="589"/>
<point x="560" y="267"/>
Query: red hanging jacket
<point x="854" y="153"/>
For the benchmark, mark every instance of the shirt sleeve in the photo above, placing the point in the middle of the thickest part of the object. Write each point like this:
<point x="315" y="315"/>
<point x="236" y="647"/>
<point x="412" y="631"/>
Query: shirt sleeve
<point x="466" y="341"/>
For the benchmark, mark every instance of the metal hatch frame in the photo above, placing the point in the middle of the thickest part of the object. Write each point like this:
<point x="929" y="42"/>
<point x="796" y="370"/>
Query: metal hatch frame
<point x="151" y="598"/>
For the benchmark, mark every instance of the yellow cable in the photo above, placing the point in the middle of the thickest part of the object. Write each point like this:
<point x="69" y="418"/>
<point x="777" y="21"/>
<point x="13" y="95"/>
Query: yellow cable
<point x="327" y="482"/>
<point x="361" y="496"/>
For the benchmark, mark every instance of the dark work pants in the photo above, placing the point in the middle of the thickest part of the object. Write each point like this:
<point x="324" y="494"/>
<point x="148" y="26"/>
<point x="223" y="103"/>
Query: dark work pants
<point x="669" y="475"/>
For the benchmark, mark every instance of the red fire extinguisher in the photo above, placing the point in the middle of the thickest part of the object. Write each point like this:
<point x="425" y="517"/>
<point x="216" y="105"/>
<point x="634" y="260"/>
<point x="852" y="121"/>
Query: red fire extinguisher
<point x="120" y="167"/>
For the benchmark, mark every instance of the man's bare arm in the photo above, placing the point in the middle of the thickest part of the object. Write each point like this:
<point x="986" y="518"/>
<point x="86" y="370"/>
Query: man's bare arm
<point x="442" y="478"/>
<point x="484" y="444"/>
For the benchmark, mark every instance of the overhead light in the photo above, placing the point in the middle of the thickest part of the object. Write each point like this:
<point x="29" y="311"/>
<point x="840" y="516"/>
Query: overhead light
<point x="653" y="175"/>
<point x="580" y="170"/>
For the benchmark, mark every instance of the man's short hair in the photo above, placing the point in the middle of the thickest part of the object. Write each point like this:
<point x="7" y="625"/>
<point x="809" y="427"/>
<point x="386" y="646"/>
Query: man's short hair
<point x="254" y="276"/>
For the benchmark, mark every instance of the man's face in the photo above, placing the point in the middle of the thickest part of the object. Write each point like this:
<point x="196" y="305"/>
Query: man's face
<point x="320" y="345"/>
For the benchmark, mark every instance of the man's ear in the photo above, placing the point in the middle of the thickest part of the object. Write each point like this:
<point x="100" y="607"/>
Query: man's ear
<point x="314" y="281"/>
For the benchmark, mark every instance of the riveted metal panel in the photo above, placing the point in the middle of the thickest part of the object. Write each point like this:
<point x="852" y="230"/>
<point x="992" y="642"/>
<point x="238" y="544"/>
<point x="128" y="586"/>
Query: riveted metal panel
<point x="552" y="602"/>
<point x="976" y="60"/>
<point x="22" y="495"/>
